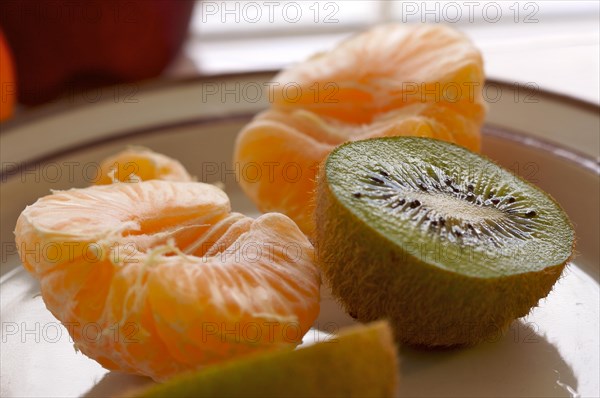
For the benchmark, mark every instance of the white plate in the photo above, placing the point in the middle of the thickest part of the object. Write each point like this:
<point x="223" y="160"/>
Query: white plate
<point x="552" y="352"/>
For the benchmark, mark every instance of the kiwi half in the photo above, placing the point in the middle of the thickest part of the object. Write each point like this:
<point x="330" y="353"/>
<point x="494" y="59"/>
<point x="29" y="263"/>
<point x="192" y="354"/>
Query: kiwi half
<point x="444" y="243"/>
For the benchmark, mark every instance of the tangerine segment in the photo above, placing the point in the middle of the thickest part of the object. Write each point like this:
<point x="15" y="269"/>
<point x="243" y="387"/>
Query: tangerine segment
<point x="80" y="222"/>
<point x="385" y="68"/>
<point x="286" y="174"/>
<point x="159" y="277"/>
<point x="303" y="139"/>
<point x="138" y="163"/>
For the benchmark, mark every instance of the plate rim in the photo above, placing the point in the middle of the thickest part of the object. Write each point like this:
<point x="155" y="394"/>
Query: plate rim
<point x="147" y="86"/>
<point x="488" y="129"/>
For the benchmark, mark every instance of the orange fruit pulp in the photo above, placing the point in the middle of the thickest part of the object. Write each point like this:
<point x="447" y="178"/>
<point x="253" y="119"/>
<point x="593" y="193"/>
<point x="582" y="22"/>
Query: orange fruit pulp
<point x="158" y="277"/>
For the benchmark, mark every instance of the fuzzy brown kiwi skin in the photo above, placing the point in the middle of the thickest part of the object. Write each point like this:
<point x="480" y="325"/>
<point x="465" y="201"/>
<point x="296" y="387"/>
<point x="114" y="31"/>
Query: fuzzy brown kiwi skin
<point x="427" y="306"/>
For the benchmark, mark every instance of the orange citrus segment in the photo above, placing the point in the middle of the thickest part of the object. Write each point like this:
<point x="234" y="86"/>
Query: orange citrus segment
<point x="157" y="277"/>
<point x="141" y="164"/>
<point x="287" y="174"/>
<point x="386" y="68"/>
<point x="392" y="80"/>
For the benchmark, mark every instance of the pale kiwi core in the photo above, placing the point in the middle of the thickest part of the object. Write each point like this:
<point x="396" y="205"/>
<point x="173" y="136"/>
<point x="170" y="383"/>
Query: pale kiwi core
<point x="450" y="206"/>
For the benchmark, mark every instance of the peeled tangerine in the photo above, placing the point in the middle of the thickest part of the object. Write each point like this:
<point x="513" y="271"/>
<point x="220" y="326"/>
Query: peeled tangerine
<point x="157" y="277"/>
<point x="393" y="80"/>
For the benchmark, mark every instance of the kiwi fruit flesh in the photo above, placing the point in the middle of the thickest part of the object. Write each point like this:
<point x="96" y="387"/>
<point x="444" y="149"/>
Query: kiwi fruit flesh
<point x="444" y="243"/>
<point x="359" y="362"/>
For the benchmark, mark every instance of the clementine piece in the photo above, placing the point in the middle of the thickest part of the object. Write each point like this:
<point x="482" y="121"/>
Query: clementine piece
<point x="141" y="164"/>
<point x="158" y="277"/>
<point x="393" y="80"/>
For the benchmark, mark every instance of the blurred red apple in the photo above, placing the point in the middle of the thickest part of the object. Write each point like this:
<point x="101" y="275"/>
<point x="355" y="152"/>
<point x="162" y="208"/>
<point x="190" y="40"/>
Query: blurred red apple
<point x="70" y="44"/>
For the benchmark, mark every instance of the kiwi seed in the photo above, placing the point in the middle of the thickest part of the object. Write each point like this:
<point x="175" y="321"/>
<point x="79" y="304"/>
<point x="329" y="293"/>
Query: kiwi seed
<point x="531" y="213"/>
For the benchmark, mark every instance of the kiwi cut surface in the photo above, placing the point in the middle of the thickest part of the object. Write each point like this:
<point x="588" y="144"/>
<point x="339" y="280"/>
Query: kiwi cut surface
<point x="360" y="362"/>
<point x="443" y="242"/>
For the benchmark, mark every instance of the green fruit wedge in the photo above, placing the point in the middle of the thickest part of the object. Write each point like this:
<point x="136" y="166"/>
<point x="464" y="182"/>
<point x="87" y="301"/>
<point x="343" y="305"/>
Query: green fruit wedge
<point x="359" y="362"/>
<point x="444" y="243"/>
